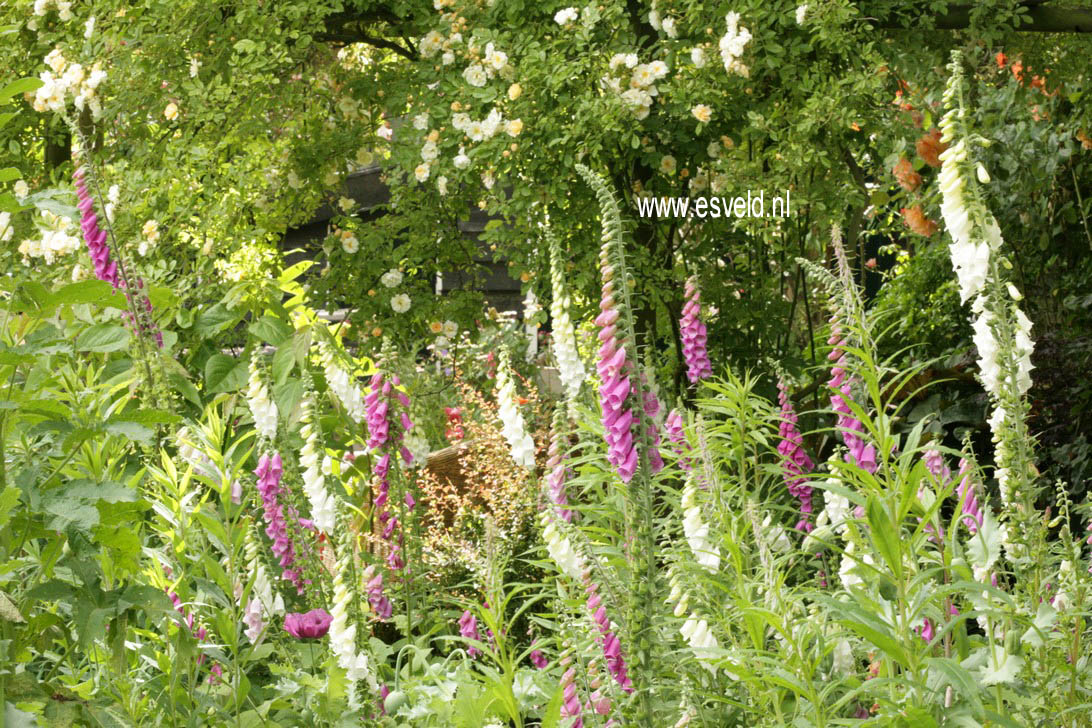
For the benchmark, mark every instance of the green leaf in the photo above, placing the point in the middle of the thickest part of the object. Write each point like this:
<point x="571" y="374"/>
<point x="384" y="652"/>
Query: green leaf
<point x="146" y="597"/>
<point x="9" y="174"/>
<point x="960" y="679"/>
<point x="184" y="387"/>
<point x="103" y="338"/>
<point x="131" y="430"/>
<point x="224" y="373"/>
<point x="271" y="330"/>
<point x="72" y="513"/>
<point x="552" y="715"/>
<point x="89" y="291"/>
<point x="885" y="535"/>
<point x="288" y="395"/>
<point x="283" y="362"/>
<point x="16" y="88"/>
<point x="215" y="319"/>
<point x="9" y="498"/>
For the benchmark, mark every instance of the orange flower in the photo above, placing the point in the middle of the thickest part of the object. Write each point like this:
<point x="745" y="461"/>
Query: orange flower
<point x="1001" y="59"/>
<point x="915" y="219"/>
<point x="929" y="147"/>
<point x="854" y="126"/>
<point x="1085" y="140"/>
<point x="1017" y="69"/>
<point x="905" y="174"/>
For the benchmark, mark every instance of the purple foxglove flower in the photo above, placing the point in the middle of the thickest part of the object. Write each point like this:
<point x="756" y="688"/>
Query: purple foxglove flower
<point x="693" y="334"/>
<point x="269" y="473"/>
<point x="556" y="473"/>
<point x="972" y="512"/>
<point x="927" y="631"/>
<point x="309" y="625"/>
<point x="795" y="460"/>
<point x="539" y="660"/>
<point x="673" y="424"/>
<point x="468" y="628"/>
<point x="860" y="453"/>
<point x="380" y="604"/>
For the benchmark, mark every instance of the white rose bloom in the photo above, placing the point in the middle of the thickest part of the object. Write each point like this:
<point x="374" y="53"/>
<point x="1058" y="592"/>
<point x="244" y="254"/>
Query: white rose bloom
<point x="421" y="171"/>
<point x="21" y="190"/>
<point x="566" y="16"/>
<point x="460" y="121"/>
<point x="697" y="57"/>
<point x="420" y="122"/>
<point x="391" y="278"/>
<point x="488" y="180"/>
<point x="475" y="75"/>
<point x="89" y="28"/>
<point x="429" y="151"/>
<point x="492" y="123"/>
<point x="668" y="164"/>
<point x="513" y="127"/>
<point x="400" y="303"/>
<point x="476" y="131"/>
<point x="64" y="11"/>
<point x="430" y="43"/>
<point x="450" y="329"/>
<point x="702" y="113"/>
<point x="441" y="184"/>
<point x="495" y="59"/>
<point x="41" y="7"/>
<point x="668" y="27"/>
<point x="447" y="58"/>
<point x="350" y="244"/>
<point x="461" y="161"/>
<point x="658" y="69"/>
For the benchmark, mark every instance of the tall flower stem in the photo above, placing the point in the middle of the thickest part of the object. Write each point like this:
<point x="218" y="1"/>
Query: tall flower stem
<point x="91" y="173"/>
<point x="640" y="531"/>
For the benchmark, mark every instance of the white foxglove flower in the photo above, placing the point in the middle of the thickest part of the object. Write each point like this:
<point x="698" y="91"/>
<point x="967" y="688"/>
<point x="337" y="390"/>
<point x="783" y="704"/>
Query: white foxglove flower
<point x="706" y="553"/>
<point x="341" y="384"/>
<point x="843" y="657"/>
<point x="419" y="448"/>
<point x="513" y="428"/>
<point x="263" y="409"/>
<point x="323" y="504"/>
<point x="531" y="309"/>
<point x="561" y="549"/>
<point x="801" y="13"/>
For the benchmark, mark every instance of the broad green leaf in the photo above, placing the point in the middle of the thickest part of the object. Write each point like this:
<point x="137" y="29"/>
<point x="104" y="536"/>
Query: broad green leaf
<point x="16" y="88"/>
<point x="103" y="338"/>
<point x="271" y="330"/>
<point x="89" y="291"/>
<point x="224" y="373"/>
<point x="9" y="174"/>
<point x="214" y="320"/>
